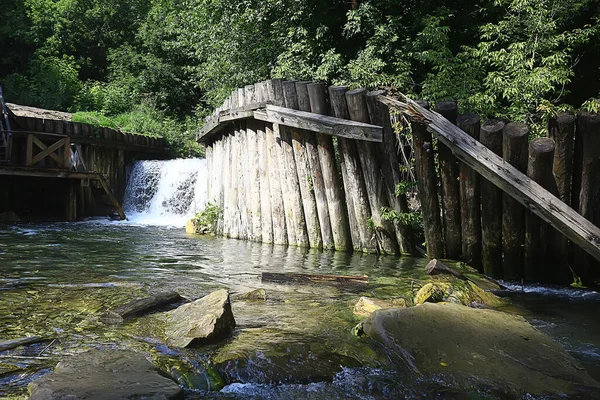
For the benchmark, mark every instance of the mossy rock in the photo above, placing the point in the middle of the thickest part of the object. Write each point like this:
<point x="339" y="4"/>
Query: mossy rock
<point x="453" y="290"/>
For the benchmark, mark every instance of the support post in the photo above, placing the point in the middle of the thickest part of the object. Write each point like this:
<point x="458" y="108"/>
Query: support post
<point x="562" y="130"/>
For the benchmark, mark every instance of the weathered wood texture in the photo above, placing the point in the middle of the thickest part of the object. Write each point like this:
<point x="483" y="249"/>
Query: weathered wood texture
<point x="490" y="136"/>
<point x="383" y="230"/>
<point x="514" y="151"/>
<point x="379" y="114"/>
<point x="449" y="174"/>
<point x="358" y="209"/>
<point x="470" y="207"/>
<point x="302" y="168"/>
<point x="538" y="240"/>
<point x="508" y="178"/>
<point x="317" y="94"/>
<point x="316" y="175"/>
<point x="427" y="184"/>
<point x="562" y="130"/>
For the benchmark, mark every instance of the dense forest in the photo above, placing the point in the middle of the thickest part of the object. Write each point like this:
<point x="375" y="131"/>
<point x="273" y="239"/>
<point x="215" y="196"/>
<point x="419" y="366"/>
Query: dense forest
<point x="158" y="66"/>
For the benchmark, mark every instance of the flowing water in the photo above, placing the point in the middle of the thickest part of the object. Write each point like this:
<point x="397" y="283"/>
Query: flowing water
<point x="57" y="278"/>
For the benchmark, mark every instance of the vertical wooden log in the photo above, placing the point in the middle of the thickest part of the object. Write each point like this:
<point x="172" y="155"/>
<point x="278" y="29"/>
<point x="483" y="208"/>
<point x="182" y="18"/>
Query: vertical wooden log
<point x="314" y="171"/>
<point x="253" y="171"/>
<point x="384" y="231"/>
<point x="491" y="205"/>
<point x="301" y="185"/>
<point x="537" y="237"/>
<point x="514" y="151"/>
<point x="317" y="93"/>
<point x="427" y="184"/>
<point x="562" y="130"/>
<point x="354" y="189"/>
<point x="71" y="201"/>
<point x="280" y="235"/>
<point x="449" y="174"/>
<point x="380" y="115"/>
<point x="470" y="210"/>
<point x="589" y="130"/>
<point x="263" y="166"/>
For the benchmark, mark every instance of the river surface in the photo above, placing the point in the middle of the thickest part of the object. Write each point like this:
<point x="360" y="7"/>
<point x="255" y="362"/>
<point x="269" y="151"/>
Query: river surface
<point x="56" y="278"/>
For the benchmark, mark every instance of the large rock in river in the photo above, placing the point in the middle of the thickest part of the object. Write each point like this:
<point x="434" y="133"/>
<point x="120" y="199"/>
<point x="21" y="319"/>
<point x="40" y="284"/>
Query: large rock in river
<point x="104" y="374"/>
<point x="474" y="349"/>
<point x="205" y="320"/>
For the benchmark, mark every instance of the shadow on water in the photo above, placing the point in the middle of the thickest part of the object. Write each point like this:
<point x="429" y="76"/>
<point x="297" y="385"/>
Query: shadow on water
<point x="57" y="278"/>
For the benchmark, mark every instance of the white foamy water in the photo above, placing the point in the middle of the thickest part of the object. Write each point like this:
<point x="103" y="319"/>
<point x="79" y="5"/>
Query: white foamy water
<point x="165" y="193"/>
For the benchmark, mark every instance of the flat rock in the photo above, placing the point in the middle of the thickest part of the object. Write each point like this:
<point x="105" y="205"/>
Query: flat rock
<point x="104" y="374"/>
<point x="474" y="349"/>
<point x="202" y="321"/>
<point x="366" y="306"/>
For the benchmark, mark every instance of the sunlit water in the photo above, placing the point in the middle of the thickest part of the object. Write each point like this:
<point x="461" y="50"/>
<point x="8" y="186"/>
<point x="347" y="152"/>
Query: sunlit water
<point x="56" y="279"/>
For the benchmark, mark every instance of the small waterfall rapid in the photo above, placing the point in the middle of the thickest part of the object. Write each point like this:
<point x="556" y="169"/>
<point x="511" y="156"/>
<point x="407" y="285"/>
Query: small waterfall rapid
<point x="165" y="192"/>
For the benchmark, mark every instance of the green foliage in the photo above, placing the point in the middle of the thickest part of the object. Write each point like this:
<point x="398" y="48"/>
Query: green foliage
<point x="414" y="220"/>
<point x="207" y="219"/>
<point x="591" y="105"/>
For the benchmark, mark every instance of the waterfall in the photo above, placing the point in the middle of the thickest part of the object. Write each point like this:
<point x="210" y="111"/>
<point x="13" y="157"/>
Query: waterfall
<point x="165" y="192"/>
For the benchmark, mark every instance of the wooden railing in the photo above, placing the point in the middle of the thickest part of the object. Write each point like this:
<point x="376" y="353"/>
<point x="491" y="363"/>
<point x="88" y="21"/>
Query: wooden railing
<point x="59" y="150"/>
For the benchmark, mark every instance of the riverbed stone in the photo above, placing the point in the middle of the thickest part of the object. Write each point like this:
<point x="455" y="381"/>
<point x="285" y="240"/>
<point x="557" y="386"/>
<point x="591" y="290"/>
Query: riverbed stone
<point x="9" y="216"/>
<point x="432" y="293"/>
<point x="206" y="320"/>
<point x="366" y="306"/>
<point x="254" y="295"/>
<point x="473" y="349"/>
<point x="104" y="374"/>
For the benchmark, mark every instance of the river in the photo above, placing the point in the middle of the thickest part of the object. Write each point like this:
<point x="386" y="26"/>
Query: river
<point x="57" y="277"/>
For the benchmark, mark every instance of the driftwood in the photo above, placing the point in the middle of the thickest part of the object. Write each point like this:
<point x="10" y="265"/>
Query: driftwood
<point x="436" y="267"/>
<point x="314" y="278"/>
<point x="139" y="307"/>
<point x="12" y="343"/>
<point x="547" y="206"/>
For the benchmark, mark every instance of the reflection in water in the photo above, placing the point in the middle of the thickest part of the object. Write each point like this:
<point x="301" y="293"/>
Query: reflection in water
<point x="56" y="278"/>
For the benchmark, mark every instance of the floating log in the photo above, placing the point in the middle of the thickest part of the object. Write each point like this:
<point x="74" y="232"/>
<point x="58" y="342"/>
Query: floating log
<point x="436" y="267"/>
<point x="514" y="151"/>
<point x="449" y="174"/>
<point x="508" y="178"/>
<point x="314" y="278"/>
<point x="470" y="207"/>
<point x="428" y="186"/>
<point x="370" y="163"/>
<point x="562" y="130"/>
<point x="491" y="205"/>
<point x="12" y="343"/>
<point x="357" y="202"/>
<point x="316" y="175"/>
<point x="317" y="94"/>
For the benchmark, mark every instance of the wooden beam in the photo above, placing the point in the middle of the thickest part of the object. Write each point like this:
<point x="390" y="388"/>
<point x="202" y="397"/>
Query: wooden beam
<point x="527" y="192"/>
<point x="48" y="151"/>
<point x="43" y="172"/>
<point x="111" y="196"/>
<point x="322" y="124"/>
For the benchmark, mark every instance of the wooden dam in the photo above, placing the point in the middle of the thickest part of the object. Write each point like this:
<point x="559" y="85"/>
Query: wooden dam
<point x="303" y="164"/>
<point x="53" y="168"/>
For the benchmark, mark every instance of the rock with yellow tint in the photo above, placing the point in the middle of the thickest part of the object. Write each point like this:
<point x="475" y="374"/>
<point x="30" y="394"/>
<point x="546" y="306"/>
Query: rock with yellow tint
<point x="367" y="305"/>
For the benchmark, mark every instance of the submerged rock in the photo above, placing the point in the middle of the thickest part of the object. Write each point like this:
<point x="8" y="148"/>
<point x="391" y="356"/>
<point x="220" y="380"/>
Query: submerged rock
<point x="205" y="320"/>
<point x="456" y="291"/>
<point x="104" y="374"/>
<point x="254" y="295"/>
<point x="366" y="306"/>
<point x="473" y="348"/>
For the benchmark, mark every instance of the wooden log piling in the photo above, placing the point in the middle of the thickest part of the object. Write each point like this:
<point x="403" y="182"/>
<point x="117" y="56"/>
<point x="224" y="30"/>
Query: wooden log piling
<point x="490" y="136"/>
<point x="383" y="230"/>
<point x="470" y="207"/>
<point x="263" y="166"/>
<point x="562" y="130"/>
<point x="449" y="174"/>
<point x="514" y="150"/>
<point x="427" y="183"/>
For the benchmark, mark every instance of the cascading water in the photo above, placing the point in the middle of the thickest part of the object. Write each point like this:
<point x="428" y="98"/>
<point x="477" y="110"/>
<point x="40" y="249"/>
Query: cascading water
<point x="165" y="192"/>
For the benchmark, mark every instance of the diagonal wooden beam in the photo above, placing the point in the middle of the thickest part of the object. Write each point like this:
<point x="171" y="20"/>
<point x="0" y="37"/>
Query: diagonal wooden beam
<point x="48" y="151"/>
<point x="516" y="184"/>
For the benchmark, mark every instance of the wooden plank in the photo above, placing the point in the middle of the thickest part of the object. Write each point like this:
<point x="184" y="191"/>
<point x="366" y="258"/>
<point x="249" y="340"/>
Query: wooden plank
<point x="48" y="151"/>
<point x="67" y="153"/>
<point x="45" y="172"/>
<point x="29" y="154"/>
<point x="323" y="124"/>
<point x="111" y="196"/>
<point x="547" y="206"/>
<point x="314" y="278"/>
